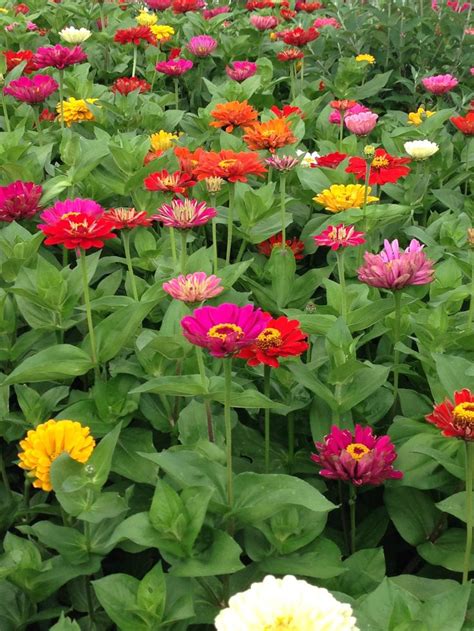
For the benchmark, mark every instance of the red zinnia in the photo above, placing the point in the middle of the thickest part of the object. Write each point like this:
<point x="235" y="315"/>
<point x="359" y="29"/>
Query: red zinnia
<point x="287" y="14"/>
<point x="290" y="54"/>
<point x="465" y="124"/>
<point x="455" y="419"/>
<point x="127" y="218"/>
<point x="384" y="168"/>
<point x="22" y="8"/>
<point x="229" y="165"/>
<point x="176" y="182"/>
<point x="294" y="244"/>
<point x="299" y="37"/>
<point x="340" y="236"/>
<point x="253" y="5"/>
<point x="280" y="338"/>
<point x="287" y="110"/>
<point x="183" y="6"/>
<point x="78" y="230"/>
<point x="308" y="7"/>
<point x="331" y="160"/>
<point x="14" y="59"/>
<point x="125" y="85"/>
<point x="343" y="105"/>
<point x="135" y="35"/>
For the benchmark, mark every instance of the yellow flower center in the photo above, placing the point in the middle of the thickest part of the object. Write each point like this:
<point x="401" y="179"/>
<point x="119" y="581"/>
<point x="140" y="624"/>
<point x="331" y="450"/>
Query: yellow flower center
<point x="269" y="338"/>
<point x="71" y="214"/>
<point x="379" y="162"/>
<point x="357" y="450"/>
<point x="222" y="331"/>
<point x="464" y="414"/>
<point x="226" y="164"/>
<point x="283" y="623"/>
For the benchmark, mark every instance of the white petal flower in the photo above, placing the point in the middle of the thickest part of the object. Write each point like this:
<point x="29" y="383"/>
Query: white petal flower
<point x="309" y="159"/>
<point x="74" y="35"/>
<point x="421" y="149"/>
<point x="285" y="604"/>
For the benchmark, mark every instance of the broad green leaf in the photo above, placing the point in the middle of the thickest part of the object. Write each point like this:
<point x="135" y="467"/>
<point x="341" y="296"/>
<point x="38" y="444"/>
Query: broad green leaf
<point x="221" y="557"/>
<point x="52" y="364"/>
<point x="99" y="464"/>
<point x="447" y="550"/>
<point x="413" y="512"/>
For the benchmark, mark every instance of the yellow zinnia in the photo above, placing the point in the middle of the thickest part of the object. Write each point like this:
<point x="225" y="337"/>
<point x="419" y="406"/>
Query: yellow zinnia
<point x="162" y="140"/>
<point x="146" y="19"/>
<point x="340" y="197"/>
<point x="48" y="441"/>
<point x="162" y="32"/>
<point x="368" y="58"/>
<point x="75" y="110"/>
<point x="416" y="118"/>
<point x="3" y="10"/>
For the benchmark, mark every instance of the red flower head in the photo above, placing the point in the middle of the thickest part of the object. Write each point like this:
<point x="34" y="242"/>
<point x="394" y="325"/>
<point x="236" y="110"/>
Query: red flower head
<point x="183" y="6"/>
<point x="384" y="168"/>
<point x="340" y="236"/>
<point x="343" y="105"/>
<point x="280" y="338"/>
<point x="307" y="7"/>
<point x="176" y="182"/>
<point x="22" y="8"/>
<point x="465" y="124"/>
<point x="455" y="419"/>
<point x="135" y="35"/>
<point x="331" y="160"/>
<point x="287" y="14"/>
<point x="78" y="230"/>
<point x="125" y="85"/>
<point x="299" y="37"/>
<point x="290" y="54"/>
<point x="287" y="110"/>
<point x="188" y="160"/>
<point x="19" y="200"/>
<point x="360" y="458"/>
<point x="47" y="115"/>
<point x="254" y="5"/>
<point x="295" y="245"/>
<point x="229" y="165"/>
<point x="14" y="59"/>
<point x="321" y="86"/>
<point x="123" y="218"/>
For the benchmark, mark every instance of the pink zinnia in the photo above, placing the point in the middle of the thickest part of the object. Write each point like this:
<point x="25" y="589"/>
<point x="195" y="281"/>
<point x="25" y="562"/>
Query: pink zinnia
<point x="184" y="214"/>
<point x="282" y="163"/>
<point x="174" y="67"/>
<point x="335" y="115"/>
<point x="361" y="124"/>
<point x="208" y="14"/>
<point x="58" y="56"/>
<point x="194" y="287"/>
<point x="226" y="329"/>
<point x="339" y="236"/>
<point x="19" y="200"/>
<point x="34" y="90"/>
<point x="360" y="458"/>
<point x="70" y="207"/>
<point x="393" y="268"/>
<point x="320" y="22"/>
<point x="440" y="84"/>
<point x="264" y="22"/>
<point x="201" y="45"/>
<point x="241" y="70"/>
<point x="158" y="5"/>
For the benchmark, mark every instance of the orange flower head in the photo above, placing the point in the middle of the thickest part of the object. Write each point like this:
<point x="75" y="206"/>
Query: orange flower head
<point x="229" y="165"/>
<point x="234" y="114"/>
<point x="270" y="135"/>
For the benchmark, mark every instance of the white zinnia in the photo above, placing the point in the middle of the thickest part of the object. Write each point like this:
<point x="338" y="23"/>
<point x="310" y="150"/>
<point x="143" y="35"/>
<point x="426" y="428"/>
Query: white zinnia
<point x="285" y="604"/>
<point x="421" y="149"/>
<point x="308" y="159"/>
<point x="74" y="35"/>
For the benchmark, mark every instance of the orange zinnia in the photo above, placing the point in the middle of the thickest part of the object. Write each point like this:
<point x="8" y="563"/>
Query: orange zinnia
<point x="229" y="165"/>
<point x="234" y="114"/>
<point x="270" y="135"/>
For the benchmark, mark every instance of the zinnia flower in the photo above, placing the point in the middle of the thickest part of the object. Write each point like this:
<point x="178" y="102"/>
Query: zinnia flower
<point x="70" y="208"/>
<point x="127" y="218"/>
<point x="294" y="244"/>
<point x="321" y="22"/>
<point x="360" y="458"/>
<point x="162" y="32"/>
<point x="290" y="54"/>
<point x="185" y="214"/>
<point x="270" y="135"/>
<point x="455" y="419"/>
<point x="370" y="59"/>
<point x="394" y="269"/>
<point x="307" y="7"/>
<point x="78" y="230"/>
<point x="73" y="35"/>
<point x="201" y="45"/>
<point x="308" y="160"/>
<point x="421" y="149"/>
<point x="280" y="338"/>
<point x="208" y="14"/>
<point x="176" y="182"/>
<point x="162" y="140"/>
<point x="48" y="441"/>
<point x="75" y="110"/>
<point x="282" y="163"/>
<point x="183" y="6"/>
<point x="264" y="22"/>
<point x="361" y="124"/>
<point x="440" y="84"/>
<point x="465" y="124"/>
<point x="233" y="114"/>
<point x="241" y="70"/>
<point x="15" y="58"/>
<point x="158" y="5"/>
<point x="299" y="37"/>
<point x="193" y="288"/>
<point x="384" y="168"/>
<point x="58" y="56"/>
<point x="226" y="329"/>
<point x="416" y="118"/>
<point x="331" y="160"/>
<point x="144" y="18"/>
<point x="19" y="200"/>
<point x="340" y="236"/>
<point x="285" y="603"/>
<point x="34" y="90"/>
<point x="229" y="165"/>
<point x="286" y="110"/>
<point x="125" y="85"/>
<point x="174" y="67"/>
<point x="22" y="8"/>
<point x="135" y="35"/>
<point x="340" y="197"/>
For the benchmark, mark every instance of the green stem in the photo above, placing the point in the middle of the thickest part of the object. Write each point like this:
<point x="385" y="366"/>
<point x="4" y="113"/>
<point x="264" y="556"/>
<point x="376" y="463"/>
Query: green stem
<point x="352" y="512"/>
<point x="302" y="76"/>
<point x="176" y="93"/>
<point x="36" y="116"/>
<point x="397" y="296"/>
<point x="128" y="258"/>
<point x="6" y="119"/>
<point x="214" y="246"/>
<point x="201" y="367"/>
<point x="230" y="223"/>
<point x="207" y="403"/>
<point x="342" y="282"/>
<point x="292" y="81"/>
<point x="241" y="252"/>
<point x="183" y="254"/>
<point x="61" y="97"/>
<point x="87" y="303"/>
<point x="471" y="301"/>
<point x="282" y="208"/>
<point x="291" y="442"/>
<point x="3" y="471"/>
<point x="267" y="371"/>
<point x="173" y="247"/>
<point x="135" y="57"/>
<point x="341" y="130"/>
<point x="87" y="585"/>
<point x="228" y="428"/>
<point x="469" y="522"/>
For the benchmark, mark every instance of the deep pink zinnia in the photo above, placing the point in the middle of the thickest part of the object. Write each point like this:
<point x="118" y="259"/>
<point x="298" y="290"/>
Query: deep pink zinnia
<point x="158" y="5"/>
<point x="241" y="70"/>
<point x="440" y="84"/>
<point x="339" y="236"/>
<point x="194" y="287"/>
<point x="264" y="22"/>
<point x="201" y="45"/>
<point x="58" y="56"/>
<point x="174" y="67"/>
<point x="184" y="214"/>
<point x="393" y="268"/>
<point x="360" y="458"/>
<point x="69" y="207"/>
<point x="34" y="90"/>
<point x="208" y="14"/>
<point x="226" y="329"/>
<point x="320" y="22"/>
<point x="19" y="200"/>
<point x="335" y="115"/>
<point x="361" y="124"/>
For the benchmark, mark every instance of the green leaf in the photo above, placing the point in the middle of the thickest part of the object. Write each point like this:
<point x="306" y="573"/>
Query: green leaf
<point x="221" y="557"/>
<point x="100" y="463"/>
<point x="447" y="550"/>
<point x="455" y="505"/>
<point x="117" y="593"/>
<point x="174" y="386"/>
<point x="413" y="512"/>
<point x="447" y="611"/>
<point x="70" y="543"/>
<point x="65" y="624"/>
<point x="370" y="88"/>
<point x="281" y="268"/>
<point x="51" y="364"/>
<point x="321" y="559"/>
<point x="364" y="571"/>
<point x="151" y="593"/>
<point x="127" y="461"/>
<point x="455" y="373"/>
<point x="386" y="607"/>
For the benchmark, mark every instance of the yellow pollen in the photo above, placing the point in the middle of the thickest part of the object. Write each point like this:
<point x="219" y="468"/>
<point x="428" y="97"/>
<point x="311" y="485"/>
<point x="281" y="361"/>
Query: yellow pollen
<point x="283" y="623"/>
<point x="168" y="181"/>
<point x="357" y="450"/>
<point x="379" y="162"/>
<point x="226" y="164"/>
<point x="71" y="214"/>
<point x="269" y="338"/>
<point x="222" y="331"/>
<point x="464" y="413"/>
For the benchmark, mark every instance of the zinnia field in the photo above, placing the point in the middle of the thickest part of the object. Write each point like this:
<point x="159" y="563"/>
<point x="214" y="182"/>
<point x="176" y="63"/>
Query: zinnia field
<point x="236" y="315"/>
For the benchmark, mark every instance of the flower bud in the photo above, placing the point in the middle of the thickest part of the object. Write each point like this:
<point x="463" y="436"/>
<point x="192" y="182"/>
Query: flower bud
<point x="369" y="151"/>
<point x="470" y="237"/>
<point x="310" y="307"/>
<point x="214" y="184"/>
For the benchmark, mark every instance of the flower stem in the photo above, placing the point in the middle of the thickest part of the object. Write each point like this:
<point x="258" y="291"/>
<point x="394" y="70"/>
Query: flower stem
<point x="183" y="254"/>
<point x="135" y="56"/>
<point x="4" y="475"/>
<point x="397" y="296"/>
<point x="341" y="130"/>
<point x="291" y="442"/>
<point x="342" y="282"/>
<point x="228" y="428"/>
<point x="266" y="391"/>
<point x="87" y="303"/>
<point x="471" y="302"/>
<point x="214" y="245"/>
<point x="61" y="96"/>
<point x="128" y="258"/>
<point x="302" y="76"/>
<point x="469" y="473"/>
<point x="176" y="93"/>
<point x="6" y="118"/>
<point x="230" y="223"/>
<point x="352" y="512"/>
<point x="282" y="207"/>
<point x="292" y="81"/>
<point x="173" y="246"/>
<point x="207" y="403"/>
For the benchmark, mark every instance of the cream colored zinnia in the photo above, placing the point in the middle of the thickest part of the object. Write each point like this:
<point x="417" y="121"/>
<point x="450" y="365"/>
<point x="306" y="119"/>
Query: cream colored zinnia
<point x="421" y="149"/>
<point x="73" y="35"/>
<point x="307" y="159"/>
<point x="285" y="604"/>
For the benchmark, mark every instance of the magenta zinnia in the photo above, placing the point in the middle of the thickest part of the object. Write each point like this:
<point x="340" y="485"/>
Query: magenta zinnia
<point x="339" y="236"/>
<point x="174" y="67"/>
<point x="194" y="287"/>
<point x="393" y="268"/>
<point x="439" y="84"/>
<point x="19" y="200"/>
<point x="70" y="207"/>
<point x="201" y="45"/>
<point x="58" y="56"/>
<point x="360" y="458"/>
<point x="184" y="214"/>
<point x="241" y="70"/>
<point x="34" y="90"/>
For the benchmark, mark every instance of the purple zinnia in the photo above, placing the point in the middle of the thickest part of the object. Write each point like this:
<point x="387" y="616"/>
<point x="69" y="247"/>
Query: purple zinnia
<point x="19" y="200"/>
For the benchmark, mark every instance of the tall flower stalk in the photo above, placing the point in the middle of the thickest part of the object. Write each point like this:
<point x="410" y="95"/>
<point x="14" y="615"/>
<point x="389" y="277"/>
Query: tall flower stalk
<point x="230" y="222"/>
<point x="266" y="391"/>
<point x="469" y="451"/>
<point x="228" y="428"/>
<point x="397" y="297"/>
<point x="87" y="303"/>
<point x="128" y="258"/>
<point x="283" y="206"/>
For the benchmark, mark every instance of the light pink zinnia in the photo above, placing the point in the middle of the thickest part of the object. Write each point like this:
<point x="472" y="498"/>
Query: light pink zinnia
<point x="226" y="329"/>
<point x="69" y="207"/>
<point x="58" y="56"/>
<point x="19" y="200"/>
<point x="440" y="84"/>
<point x="393" y="268"/>
<point x="320" y="22"/>
<point x="335" y="115"/>
<point x="34" y="90"/>
<point x="361" y="124"/>
<point x="184" y="214"/>
<point x="241" y="70"/>
<point x="194" y="287"/>
<point x="360" y="458"/>
<point x="264" y="22"/>
<point x="202" y="45"/>
<point x="208" y="14"/>
<point x="174" y="67"/>
<point x="339" y="236"/>
<point x="282" y="163"/>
